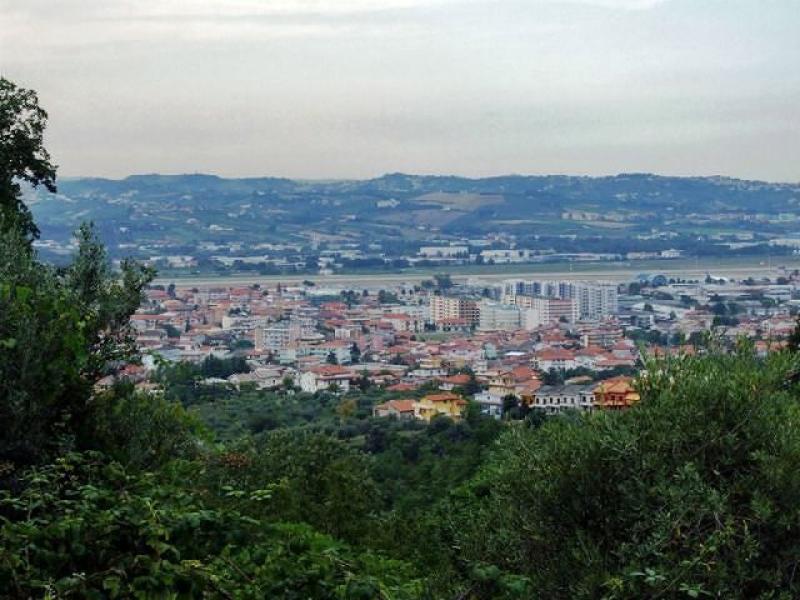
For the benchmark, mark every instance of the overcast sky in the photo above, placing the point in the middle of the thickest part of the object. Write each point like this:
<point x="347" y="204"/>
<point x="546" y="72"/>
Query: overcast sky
<point x="357" y="88"/>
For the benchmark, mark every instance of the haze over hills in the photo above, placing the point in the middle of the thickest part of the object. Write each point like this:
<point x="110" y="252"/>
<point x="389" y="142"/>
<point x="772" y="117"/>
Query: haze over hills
<point x="385" y="221"/>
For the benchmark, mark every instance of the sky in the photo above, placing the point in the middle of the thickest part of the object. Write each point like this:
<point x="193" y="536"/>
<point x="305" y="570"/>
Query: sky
<point x="323" y="89"/>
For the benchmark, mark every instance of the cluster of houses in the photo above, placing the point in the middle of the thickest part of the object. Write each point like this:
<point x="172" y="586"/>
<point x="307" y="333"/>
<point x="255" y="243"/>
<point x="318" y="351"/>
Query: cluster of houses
<point x="616" y="393"/>
<point x="552" y="346"/>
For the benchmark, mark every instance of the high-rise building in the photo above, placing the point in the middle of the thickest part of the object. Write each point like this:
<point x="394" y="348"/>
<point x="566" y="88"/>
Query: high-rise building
<point x="495" y="316"/>
<point x="594" y="299"/>
<point x="538" y="311"/>
<point x="445" y="309"/>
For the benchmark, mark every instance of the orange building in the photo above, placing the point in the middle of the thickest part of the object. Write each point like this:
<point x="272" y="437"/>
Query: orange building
<point x="448" y="404"/>
<point x="616" y="393"/>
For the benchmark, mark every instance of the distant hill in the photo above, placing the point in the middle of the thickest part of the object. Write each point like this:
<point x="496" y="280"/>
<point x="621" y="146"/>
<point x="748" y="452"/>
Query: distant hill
<point x="178" y="212"/>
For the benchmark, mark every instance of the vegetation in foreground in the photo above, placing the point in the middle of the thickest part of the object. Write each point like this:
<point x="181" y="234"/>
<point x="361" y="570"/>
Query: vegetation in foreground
<point x="695" y="493"/>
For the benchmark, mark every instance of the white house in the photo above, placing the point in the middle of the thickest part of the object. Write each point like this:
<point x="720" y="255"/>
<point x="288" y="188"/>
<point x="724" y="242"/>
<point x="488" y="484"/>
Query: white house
<point x="323" y="377"/>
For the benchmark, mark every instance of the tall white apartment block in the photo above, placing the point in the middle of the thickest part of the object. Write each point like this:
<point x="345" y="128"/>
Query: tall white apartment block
<point x="594" y="299"/>
<point x="496" y="317"/>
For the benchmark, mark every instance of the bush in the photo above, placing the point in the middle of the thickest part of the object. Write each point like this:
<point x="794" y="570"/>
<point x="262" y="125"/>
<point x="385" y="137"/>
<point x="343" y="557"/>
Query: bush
<point x="691" y="494"/>
<point x="84" y="527"/>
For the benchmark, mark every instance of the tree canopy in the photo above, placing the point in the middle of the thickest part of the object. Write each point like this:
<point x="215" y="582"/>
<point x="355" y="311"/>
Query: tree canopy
<point x="23" y="157"/>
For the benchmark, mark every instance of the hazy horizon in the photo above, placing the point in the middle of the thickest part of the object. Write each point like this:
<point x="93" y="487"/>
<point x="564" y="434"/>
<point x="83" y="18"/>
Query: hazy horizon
<point x="386" y="174"/>
<point x="307" y="89"/>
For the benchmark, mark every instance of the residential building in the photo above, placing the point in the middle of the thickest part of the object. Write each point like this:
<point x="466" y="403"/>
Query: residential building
<point x="445" y="309"/>
<point x="538" y="311"/>
<point x="494" y="316"/>
<point x="593" y="299"/>
<point x="400" y="409"/>
<point x="447" y="404"/>
<point x="617" y="393"/>
<point x="323" y="377"/>
<point x="558" y="398"/>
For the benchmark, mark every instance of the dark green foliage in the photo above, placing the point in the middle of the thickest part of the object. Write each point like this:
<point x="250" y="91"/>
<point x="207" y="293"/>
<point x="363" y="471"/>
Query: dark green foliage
<point x="59" y="333"/>
<point x="85" y="527"/>
<point x="22" y="157"/>
<point x="222" y="368"/>
<point x="319" y="480"/>
<point x="691" y="494"/>
<point x="385" y="297"/>
<point x="250" y="412"/>
<point x="140" y="430"/>
<point x="183" y="381"/>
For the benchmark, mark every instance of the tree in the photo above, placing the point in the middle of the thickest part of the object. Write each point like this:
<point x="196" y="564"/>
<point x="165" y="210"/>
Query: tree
<point x="23" y="157"/>
<point x="331" y="358"/>
<point x="89" y="528"/>
<point x="510" y="402"/>
<point x="692" y="493"/>
<point x="288" y="383"/>
<point x="346" y="408"/>
<point x="61" y="332"/>
<point x="355" y="353"/>
<point x="443" y="281"/>
<point x="553" y="377"/>
<point x="321" y="477"/>
<point x="385" y="297"/>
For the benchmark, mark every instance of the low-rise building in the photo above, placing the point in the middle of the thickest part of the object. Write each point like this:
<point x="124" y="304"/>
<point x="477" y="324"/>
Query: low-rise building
<point x="400" y="409"/>
<point x="617" y="393"/>
<point x="558" y="398"/>
<point x="447" y="404"/>
<point x="324" y="377"/>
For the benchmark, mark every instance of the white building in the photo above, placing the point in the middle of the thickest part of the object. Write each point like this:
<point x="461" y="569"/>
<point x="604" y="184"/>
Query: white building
<point x="435" y="252"/>
<point x="558" y="398"/>
<point x="537" y="311"/>
<point x="494" y="316"/>
<point x="594" y="299"/>
<point x="323" y="377"/>
<point x="506" y="256"/>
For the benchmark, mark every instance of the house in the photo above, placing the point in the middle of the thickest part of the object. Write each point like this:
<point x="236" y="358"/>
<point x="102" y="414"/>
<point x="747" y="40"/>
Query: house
<point x="400" y="409"/>
<point x="490" y="404"/>
<point x="402" y="387"/>
<point x="448" y="384"/>
<point x="558" y="398"/>
<point x="402" y="322"/>
<point x="263" y="378"/>
<point x="617" y="393"/>
<point x="447" y="404"/>
<point x="323" y="377"/>
<point x="555" y="358"/>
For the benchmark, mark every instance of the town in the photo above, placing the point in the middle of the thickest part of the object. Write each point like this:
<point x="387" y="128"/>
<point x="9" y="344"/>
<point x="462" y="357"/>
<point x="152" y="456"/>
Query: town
<point x="510" y="347"/>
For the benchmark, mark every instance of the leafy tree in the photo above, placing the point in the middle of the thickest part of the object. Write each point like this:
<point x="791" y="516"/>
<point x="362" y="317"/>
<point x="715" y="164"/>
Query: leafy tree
<point x="223" y="368"/>
<point x="85" y="527"/>
<point x="323" y="482"/>
<point x="23" y="157"/>
<point x="553" y="376"/>
<point x="355" y="353"/>
<point x="61" y="331"/>
<point x="140" y="430"/>
<point x="510" y="402"/>
<point x="690" y="494"/>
